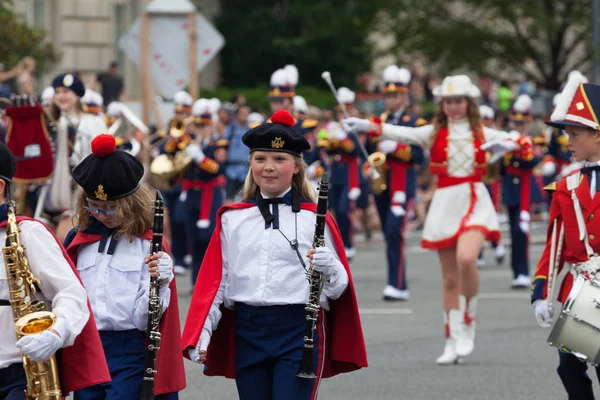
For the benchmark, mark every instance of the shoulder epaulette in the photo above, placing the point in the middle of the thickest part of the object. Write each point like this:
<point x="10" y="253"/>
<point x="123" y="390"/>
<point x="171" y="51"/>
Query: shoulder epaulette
<point x="309" y="123"/>
<point x="551" y="187"/>
<point x="420" y="121"/>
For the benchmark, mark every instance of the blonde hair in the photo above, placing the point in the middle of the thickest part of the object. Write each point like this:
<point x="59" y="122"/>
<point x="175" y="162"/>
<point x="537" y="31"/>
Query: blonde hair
<point x="135" y="212"/>
<point x="300" y="183"/>
<point x="440" y="120"/>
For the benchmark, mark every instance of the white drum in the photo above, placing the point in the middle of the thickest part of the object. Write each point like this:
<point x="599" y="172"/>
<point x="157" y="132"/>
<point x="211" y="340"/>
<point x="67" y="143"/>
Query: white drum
<point x="577" y="330"/>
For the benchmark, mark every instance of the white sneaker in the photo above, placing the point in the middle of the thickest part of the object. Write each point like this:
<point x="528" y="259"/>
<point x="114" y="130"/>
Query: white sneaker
<point x="522" y="282"/>
<point x="500" y="253"/>
<point x="179" y="270"/>
<point x="392" y="293"/>
<point x="350" y="252"/>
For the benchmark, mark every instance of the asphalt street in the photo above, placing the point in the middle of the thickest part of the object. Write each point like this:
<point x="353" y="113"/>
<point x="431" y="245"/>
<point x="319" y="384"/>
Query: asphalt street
<point x="511" y="359"/>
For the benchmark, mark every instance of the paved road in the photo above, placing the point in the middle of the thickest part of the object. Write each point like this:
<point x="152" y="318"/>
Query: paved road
<point x="511" y="361"/>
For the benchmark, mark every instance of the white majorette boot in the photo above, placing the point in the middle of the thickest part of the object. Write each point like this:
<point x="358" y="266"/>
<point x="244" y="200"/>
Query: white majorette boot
<point x="465" y="341"/>
<point x="452" y="324"/>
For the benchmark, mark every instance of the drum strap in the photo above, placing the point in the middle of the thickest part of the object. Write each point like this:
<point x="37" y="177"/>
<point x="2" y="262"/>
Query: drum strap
<point x="583" y="236"/>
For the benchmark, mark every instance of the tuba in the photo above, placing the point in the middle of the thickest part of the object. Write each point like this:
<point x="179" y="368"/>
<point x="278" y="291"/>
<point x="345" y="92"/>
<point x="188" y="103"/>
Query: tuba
<point x="30" y="316"/>
<point x="378" y="185"/>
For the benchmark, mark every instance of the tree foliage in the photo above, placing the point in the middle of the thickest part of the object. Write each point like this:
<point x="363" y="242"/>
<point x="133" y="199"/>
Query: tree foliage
<point x="315" y="35"/>
<point x="20" y="40"/>
<point x="541" y="40"/>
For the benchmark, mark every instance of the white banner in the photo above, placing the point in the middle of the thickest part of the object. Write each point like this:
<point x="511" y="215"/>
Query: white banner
<point x="169" y="49"/>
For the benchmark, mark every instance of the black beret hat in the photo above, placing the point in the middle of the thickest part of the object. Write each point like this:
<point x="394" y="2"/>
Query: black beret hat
<point x="8" y="167"/>
<point x="71" y="82"/>
<point x="278" y="135"/>
<point x="108" y="174"/>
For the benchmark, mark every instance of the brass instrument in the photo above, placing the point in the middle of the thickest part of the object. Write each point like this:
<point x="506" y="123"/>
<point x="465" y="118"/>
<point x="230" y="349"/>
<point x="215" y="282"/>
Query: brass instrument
<point x="378" y="184"/>
<point x="166" y="170"/>
<point x="30" y="316"/>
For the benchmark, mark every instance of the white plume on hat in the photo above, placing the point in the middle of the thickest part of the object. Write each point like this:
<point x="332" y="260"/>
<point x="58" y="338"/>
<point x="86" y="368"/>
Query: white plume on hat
<point x="113" y="110"/>
<point x="201" y="106"/>
<point x="279" y="78"/>
<point x="555" y="99"/>
<point x="214" y="105"/>
<point x="345" y="95"/>
<point x="564" y="101"/>
<point x="394" y="74"/>
<point x="90" y="97"/>
<point x="300" y="104"/>
<point x="292" y="75"/>
<point x="523" y="104"/>
<point x="255" y="118"/>
<point x="183" y="98"/>
<point x="486" y="112"/>
<point x="576" y="72"/>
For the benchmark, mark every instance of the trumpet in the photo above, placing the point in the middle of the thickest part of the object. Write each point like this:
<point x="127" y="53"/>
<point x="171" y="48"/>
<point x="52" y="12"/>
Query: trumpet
<point x="379" y="180"/>
<point x="176" y="130"/>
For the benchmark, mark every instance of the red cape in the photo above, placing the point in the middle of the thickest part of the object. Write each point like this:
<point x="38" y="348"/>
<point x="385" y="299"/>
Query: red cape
<point x="171" y="375"/>
<point x="83" y="364"/>
<point x="345" y="345"/>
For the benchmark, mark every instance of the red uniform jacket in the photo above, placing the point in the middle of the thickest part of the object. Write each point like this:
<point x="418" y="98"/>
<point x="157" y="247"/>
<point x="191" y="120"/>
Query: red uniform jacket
<point x="169" y="364"/>
<point x="573" y="250"/>
<point x="345" y="341"/>
<point x="83" y="364"/>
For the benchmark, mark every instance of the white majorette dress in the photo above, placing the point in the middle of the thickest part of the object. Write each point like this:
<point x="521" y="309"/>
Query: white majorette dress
<point x="461" y="201"/>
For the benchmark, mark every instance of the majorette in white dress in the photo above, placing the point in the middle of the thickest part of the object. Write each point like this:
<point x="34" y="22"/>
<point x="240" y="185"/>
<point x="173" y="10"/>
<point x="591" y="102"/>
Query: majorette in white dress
<point x="461" y="201"/>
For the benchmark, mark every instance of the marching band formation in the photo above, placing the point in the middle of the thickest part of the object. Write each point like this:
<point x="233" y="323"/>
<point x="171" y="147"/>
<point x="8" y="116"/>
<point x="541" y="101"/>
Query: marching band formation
<point x="88" y="295"/>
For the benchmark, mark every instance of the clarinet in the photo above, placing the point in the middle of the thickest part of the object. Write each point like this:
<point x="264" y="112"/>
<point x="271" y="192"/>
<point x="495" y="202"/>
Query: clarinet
<point x="154" y="307"/>
<point x="316" y="281"/>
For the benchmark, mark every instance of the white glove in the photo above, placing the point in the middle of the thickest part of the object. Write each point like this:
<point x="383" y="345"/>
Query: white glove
<point x="544" y="312"/>
<point x="398" y="211"/>
<point x="41" y="346"/>
<point x="165" y="269"/>
<point x="339" y="134"/>
<point x="193" y="150"/>
<point x="201" y="347"/>
<point x="548" y="169"/>
<point x="311" y="171"/>
<point x="354" y="193"/>
<point x="324" y="261"/>
<point x="354" y="124"/>
<point x="388" y="146"/>
<point x="498" y="148"/>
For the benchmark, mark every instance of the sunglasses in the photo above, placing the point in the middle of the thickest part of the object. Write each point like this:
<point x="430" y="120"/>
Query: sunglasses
<point x="98" y="211"/>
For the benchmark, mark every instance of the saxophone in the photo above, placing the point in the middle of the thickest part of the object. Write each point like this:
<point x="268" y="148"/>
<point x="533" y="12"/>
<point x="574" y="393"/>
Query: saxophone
<point x="30" y="316"/>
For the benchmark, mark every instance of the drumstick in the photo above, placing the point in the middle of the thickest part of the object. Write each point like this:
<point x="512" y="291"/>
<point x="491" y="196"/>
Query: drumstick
<point x="327" y="78"/>
<point x="561" y="238"/>
<point x="551" y="262"/>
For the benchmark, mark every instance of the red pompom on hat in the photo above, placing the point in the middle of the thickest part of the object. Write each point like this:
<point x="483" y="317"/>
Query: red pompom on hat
<point x="283" y="117"/>
<point x="103" y="145"/>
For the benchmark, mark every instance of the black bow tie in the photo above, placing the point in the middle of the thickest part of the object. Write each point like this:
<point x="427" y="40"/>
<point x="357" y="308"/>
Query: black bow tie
<point x="592" y="169"/>
<point x="290" y="198"/>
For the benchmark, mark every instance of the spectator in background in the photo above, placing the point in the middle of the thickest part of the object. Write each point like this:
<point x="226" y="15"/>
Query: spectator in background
<point x="485" y="86"/>
<point x="226" y="114"/>
<point x="112" y="84"/>
<point x="26" y="82"/>
<point x="237" y="165"/>
<point x="505" y="97"/>
<point x="239" y="100"/>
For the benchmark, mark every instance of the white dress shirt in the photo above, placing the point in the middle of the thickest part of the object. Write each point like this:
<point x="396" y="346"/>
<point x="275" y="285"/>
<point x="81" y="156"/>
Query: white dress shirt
<point x="261" y="269"/>
<point x="461" y="152"/>
<point x="118" y="284"/>
<point x="60" y="289"/>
